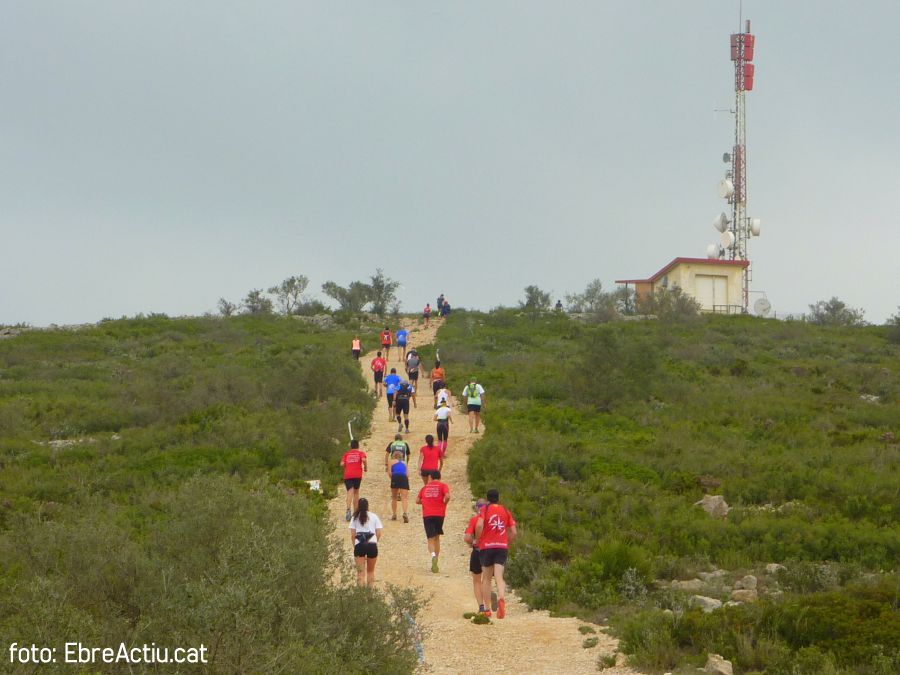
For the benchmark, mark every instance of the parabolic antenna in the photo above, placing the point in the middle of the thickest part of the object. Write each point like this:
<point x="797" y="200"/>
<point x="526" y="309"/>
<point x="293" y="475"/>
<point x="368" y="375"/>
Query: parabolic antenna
<point x="726" y="158"/>
<point x="754" y="227"/>
<point x="712" y="251"/>
<point x="762" y="307"/>
<point x="726" y="188"/>
<point x="727" y="239"/>
<point x="721" y="222"/>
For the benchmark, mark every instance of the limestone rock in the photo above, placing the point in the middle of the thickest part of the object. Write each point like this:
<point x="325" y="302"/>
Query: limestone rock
<point x="704" y="603"/>
<point x="712" y="576"/>
<point x="774" y="568"/>
<point x="748" y="582"/>
<point x="716" y="664"/>
<point x="745" y="595"/>
<point x="690" y="585"/>
<point x="714" y="505"/>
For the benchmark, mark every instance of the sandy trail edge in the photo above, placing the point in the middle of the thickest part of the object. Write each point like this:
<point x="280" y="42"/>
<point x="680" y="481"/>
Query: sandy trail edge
<point x="525" y="641"/>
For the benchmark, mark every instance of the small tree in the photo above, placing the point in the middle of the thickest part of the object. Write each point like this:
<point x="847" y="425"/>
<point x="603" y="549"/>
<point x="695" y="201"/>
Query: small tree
<point x="227" y="308"/>
<point x="669" y="305"/>
<point x="894" y="328"/>
<point x="536" y="301"/>
<point x="257" y="303"/>
<point x="350" y="299"/>
<point x="835" y="312"/>
<point x="383" y="292"/>
<point x="601" y="305"/>
<point x="289" y="294"/>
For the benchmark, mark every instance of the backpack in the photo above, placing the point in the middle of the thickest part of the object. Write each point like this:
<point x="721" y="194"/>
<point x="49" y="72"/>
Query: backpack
<point x="412" y="363"/>
<point x="400" y="446"/>
<point x="404" y="391"/>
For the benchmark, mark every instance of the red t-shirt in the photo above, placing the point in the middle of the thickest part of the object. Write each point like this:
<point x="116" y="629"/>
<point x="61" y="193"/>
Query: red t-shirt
<point x="378" y="364"/>
<point x="497" y="521"/>
<point x="470" y="529"/>
<point x="431" y="458"/>
<point x="432" y="498"/>
<point x="386" y="337"/>
<point x="353" y="460"/>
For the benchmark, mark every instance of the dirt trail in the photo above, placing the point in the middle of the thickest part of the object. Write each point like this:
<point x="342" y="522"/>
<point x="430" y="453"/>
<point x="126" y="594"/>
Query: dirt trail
<point x="525" y="641"/>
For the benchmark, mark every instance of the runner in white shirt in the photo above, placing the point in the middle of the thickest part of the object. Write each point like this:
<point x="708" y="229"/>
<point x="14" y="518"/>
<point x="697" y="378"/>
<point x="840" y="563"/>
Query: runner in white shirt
<point x="365" y="531"/>
<point x="444" y="417"/>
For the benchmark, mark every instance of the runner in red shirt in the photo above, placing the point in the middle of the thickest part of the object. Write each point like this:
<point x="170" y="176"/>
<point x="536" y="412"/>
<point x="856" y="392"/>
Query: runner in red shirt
<point x="354" y="463"/>
<point x="430" y="459"/>
<point x="494" y="530"/>
<point x="434" y="497"/>
<point x="386" y="341"/>
<point x="378" y="365"/>
<point x="474" y="559"/>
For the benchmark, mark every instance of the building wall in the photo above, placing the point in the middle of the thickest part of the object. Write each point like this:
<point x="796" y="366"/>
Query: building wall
<point x="685" y="276"/>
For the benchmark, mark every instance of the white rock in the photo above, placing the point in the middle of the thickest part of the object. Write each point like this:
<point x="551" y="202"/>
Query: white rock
<point x="733" y="603"/>
<point x="745" y="595"/>
<point x="716" y="664"/>
<point x="714" y="505"/>
<point x="704" y="603"/>
<point x="711" y="576"/>
<point x="774" y="568"/>
<point x="690" y="585"/>
<point x="747" y="582"/>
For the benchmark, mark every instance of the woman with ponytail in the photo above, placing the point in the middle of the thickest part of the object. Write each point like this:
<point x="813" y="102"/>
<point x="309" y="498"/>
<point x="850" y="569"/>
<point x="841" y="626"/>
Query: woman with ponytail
<point x="365" y="531"/>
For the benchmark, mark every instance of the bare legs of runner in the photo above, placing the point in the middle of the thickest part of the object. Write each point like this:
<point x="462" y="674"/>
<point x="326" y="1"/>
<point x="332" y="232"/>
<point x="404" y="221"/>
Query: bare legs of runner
<point x="488" y="573"/>
<point x="404" y="501"/>
<point x="365" y="571"/>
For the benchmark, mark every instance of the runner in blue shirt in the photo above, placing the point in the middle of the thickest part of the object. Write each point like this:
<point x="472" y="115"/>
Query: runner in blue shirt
<point x="402" y="336"/>
<point x="391" y="382"/>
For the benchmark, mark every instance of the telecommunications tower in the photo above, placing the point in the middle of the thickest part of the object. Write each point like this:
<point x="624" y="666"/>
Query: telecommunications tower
<point x="737" y="230"/>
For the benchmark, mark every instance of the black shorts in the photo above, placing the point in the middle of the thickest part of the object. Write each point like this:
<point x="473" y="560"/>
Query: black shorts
<point x="365" y="549"/>
<point x="413" y="375"/>
<point x="399" y="482"/>
<point x="385" y="347"/>
<point x="401" y="405"/>
<point x="425" y="315"/>
<point x="390" y="400"/>
<point x="475" y="562"/>
<point x="428" y="473"/>
<point x="355" y="352"/>
<point x="493" y="556"/>
<point x="471" y="407"/>
<point x="437" y="385"/>
<point x="434" y="525"/>
<point x="401" y="345"/>
<point x="352" y="483"/>
<point x="379" y="376"/>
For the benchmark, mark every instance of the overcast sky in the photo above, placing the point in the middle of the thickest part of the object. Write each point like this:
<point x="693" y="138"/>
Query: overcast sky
<point x="156" y="156"/>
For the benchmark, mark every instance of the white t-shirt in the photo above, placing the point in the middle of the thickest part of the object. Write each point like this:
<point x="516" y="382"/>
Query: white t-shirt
<point x="443" y="413"/>
<point x="373" y="523"/>
<point x="478" y="391"/>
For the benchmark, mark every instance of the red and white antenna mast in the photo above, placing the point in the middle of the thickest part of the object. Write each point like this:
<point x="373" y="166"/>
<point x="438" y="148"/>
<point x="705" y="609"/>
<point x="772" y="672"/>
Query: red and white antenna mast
<point x="742" y="48"/>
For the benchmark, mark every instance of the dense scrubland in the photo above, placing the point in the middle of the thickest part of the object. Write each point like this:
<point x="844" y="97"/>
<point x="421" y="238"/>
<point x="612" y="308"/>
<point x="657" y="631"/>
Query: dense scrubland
<point x="601" y="439"/>
<point x="153" y="489"/>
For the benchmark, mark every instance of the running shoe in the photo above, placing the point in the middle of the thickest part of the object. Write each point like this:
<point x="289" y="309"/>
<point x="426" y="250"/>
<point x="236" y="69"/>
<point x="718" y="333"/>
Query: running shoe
<point x="494" y="600"/>
<point x="394" y="517"/>
<point x="486" y="612"/>
<point x="501" y="608"/>
<point x="347" y="516"/>
<point x="434" y="564"/>
<point x="405" y="518"/>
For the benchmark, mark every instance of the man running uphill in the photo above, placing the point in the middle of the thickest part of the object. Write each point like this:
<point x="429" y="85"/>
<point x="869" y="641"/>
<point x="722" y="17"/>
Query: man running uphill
<point x="386" y="342"/>
<point x="434" y="497"/>
<point x="354" y="463"/>
<point x="494" y="530"/>
<point x="378" y="365"/>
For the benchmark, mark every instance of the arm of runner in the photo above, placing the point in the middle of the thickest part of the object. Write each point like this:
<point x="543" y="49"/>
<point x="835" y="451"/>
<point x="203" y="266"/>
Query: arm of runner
<point x="469" y="538"/>
<point x="379" y="533"/>
<point x="365" y="465"/>
<point x="512" y="533"/>
<point x="352" y="536"/>
<point x="447" y="496"/>
<point x="479" y="527"/>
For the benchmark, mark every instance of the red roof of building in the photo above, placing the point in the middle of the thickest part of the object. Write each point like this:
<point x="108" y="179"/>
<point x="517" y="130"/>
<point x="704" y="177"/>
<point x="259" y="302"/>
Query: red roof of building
<point x="679" y="261"/>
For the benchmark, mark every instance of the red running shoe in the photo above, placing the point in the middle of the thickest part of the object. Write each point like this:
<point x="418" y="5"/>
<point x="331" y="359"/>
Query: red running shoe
<point x="501" y="608"/>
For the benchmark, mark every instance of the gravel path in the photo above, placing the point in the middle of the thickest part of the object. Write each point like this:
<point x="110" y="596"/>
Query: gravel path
<point x="525" y="641"/>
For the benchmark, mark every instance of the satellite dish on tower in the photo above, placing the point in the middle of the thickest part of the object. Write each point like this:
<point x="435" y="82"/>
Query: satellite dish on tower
<point x="727" y="239"/>
<point x="721" y="222"/>
<point x="755" y="227"/>
<point x="712" y="251"/>
<point x="762" y="307"/>
<point x="726" y="188"/>
<point x="726" y="158"/>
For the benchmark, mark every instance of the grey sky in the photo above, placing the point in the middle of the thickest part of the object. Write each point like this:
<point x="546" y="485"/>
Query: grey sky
<point x="155" y="156"/>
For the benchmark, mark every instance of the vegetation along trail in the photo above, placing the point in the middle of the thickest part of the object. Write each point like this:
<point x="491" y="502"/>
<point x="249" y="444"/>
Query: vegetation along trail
<point x="525" y="641"/>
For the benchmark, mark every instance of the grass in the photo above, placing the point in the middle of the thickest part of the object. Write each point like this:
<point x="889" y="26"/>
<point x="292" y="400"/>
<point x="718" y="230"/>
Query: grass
<point x="601" y="438"/>
<point x="153" y="489"/>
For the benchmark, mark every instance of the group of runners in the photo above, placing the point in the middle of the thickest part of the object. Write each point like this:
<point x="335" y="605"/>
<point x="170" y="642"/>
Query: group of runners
<point x="489" y="531"/>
